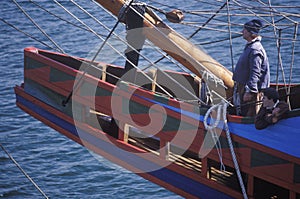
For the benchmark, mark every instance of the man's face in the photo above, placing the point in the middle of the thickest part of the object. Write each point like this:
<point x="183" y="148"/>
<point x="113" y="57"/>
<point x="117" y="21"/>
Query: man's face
<point x="267" y="102"/>
<point x="246" y="34"/>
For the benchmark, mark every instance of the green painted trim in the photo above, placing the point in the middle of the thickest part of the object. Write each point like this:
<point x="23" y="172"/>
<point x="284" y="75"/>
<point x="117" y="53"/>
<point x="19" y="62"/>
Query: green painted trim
<point x="131" y="107"/>
<point x="173" y="124"/>
<point x="88" y="89"/>
<point x="209" y="141"/>
<point x="32" y="64"/>
<point x="59" y="76"/>
<point x="248" y="120"/>
<point x="48" y="96"/>
<point x="297" y="173"/>
<point x="160" y="98"/>
<point x="123" y="85"/>
<point x="259" y="158"/>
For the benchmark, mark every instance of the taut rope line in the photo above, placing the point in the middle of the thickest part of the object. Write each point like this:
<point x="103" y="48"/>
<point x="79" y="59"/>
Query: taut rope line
<point x="22" y="170"/>
<point x="64" y="102"/>
<point x="34" y="23"/>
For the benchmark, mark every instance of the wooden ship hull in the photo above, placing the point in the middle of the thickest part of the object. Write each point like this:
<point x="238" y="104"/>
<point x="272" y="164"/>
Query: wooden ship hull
<point x="157" y="137"/>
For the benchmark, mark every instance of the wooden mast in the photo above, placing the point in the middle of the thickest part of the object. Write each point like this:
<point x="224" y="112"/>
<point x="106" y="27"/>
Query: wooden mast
<point x="178" y="47"/>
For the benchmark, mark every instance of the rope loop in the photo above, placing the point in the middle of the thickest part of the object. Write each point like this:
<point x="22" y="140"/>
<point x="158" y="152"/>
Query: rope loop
<point x="222" y="109"/>
<point x="217" y="107"/>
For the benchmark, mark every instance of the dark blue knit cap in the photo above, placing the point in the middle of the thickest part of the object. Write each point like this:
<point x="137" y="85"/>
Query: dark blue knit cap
<point x="253" y="26"/>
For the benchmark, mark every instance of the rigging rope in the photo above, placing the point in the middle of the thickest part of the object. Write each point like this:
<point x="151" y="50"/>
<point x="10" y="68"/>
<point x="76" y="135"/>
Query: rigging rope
<point x="112" y="32"/>
<point x="60" y="18"/>
<point x="28" y="35"/>
<point x="230" y="35"/>
<point x="212" y="129"/>
<point x="292" y="62"/>
<point x="64" y="102"/>
<point x="151" y="63"/>
<point x="264" y="8"/>
<point x="193" y="34"/>
<point x="22" y="170"/>
<point x="272" y="9"/>
<point x="278" y="45"/>
<point x="90" y="30"/>
<point x="222" y="113"/>
<point x="203" y="25"/>
<point x="80" y="21"/>
<point x="235" y="162"/>
<point x="106" y="41"/>
<point x="36" y="25"/>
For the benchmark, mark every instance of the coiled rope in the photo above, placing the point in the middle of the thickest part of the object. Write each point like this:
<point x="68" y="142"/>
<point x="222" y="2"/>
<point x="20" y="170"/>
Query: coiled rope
<point x="221" y="112"/>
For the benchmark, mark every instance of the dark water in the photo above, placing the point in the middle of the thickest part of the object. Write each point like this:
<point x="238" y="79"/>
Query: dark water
<point x="62" y="168"/>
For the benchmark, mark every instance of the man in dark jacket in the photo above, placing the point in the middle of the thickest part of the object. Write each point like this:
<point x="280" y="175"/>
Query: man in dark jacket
<point x="272" y="109"/>
<point x="252" y="71"/>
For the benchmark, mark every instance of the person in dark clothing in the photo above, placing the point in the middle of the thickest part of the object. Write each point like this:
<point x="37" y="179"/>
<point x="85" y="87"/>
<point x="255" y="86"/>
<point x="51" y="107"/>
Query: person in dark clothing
<point x="272" y="109"/>
<point x="252" y="71"/>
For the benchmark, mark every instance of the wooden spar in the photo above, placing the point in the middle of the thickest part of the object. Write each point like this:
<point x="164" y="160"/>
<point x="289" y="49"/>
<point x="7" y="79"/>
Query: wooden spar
<point x="177" y="46"/>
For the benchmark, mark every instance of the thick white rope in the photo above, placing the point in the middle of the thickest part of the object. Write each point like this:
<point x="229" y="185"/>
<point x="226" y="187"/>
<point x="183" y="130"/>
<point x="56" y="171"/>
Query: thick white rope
<point x="222" y="111"/>
<point x="235" y="162"/>
<point x="211" y="128"/>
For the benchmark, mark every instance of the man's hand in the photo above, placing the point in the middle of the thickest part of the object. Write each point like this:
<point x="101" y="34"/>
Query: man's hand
<point x="275" y="114"/>
<point x="275" y="111"/>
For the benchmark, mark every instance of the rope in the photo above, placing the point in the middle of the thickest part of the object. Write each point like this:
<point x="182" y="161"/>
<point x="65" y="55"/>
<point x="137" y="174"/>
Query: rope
<point x="99" y="36"/>
<point x="64" y="102"/>
<point x="151" y="63"/>
<point x="272" y="9"/>
<point x="28" y="35"/>
<point x="76" y="18"/>
<point x="112" y="32"/>
<point x="239" y="7"/>
<point x="22" y="170"/>
<point x="236" y="165"/>
<point x="221" y="112"/>
<point x="203" y="25"/>
<point x="211" y="128"/>
<point x="292" y="62"/>
<point x="180" y="48"/>
<point x="105" y="41"/>
<point x="34" y="23"/>
<point x="60" y="18"/>
<point x="230" y="35"/>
